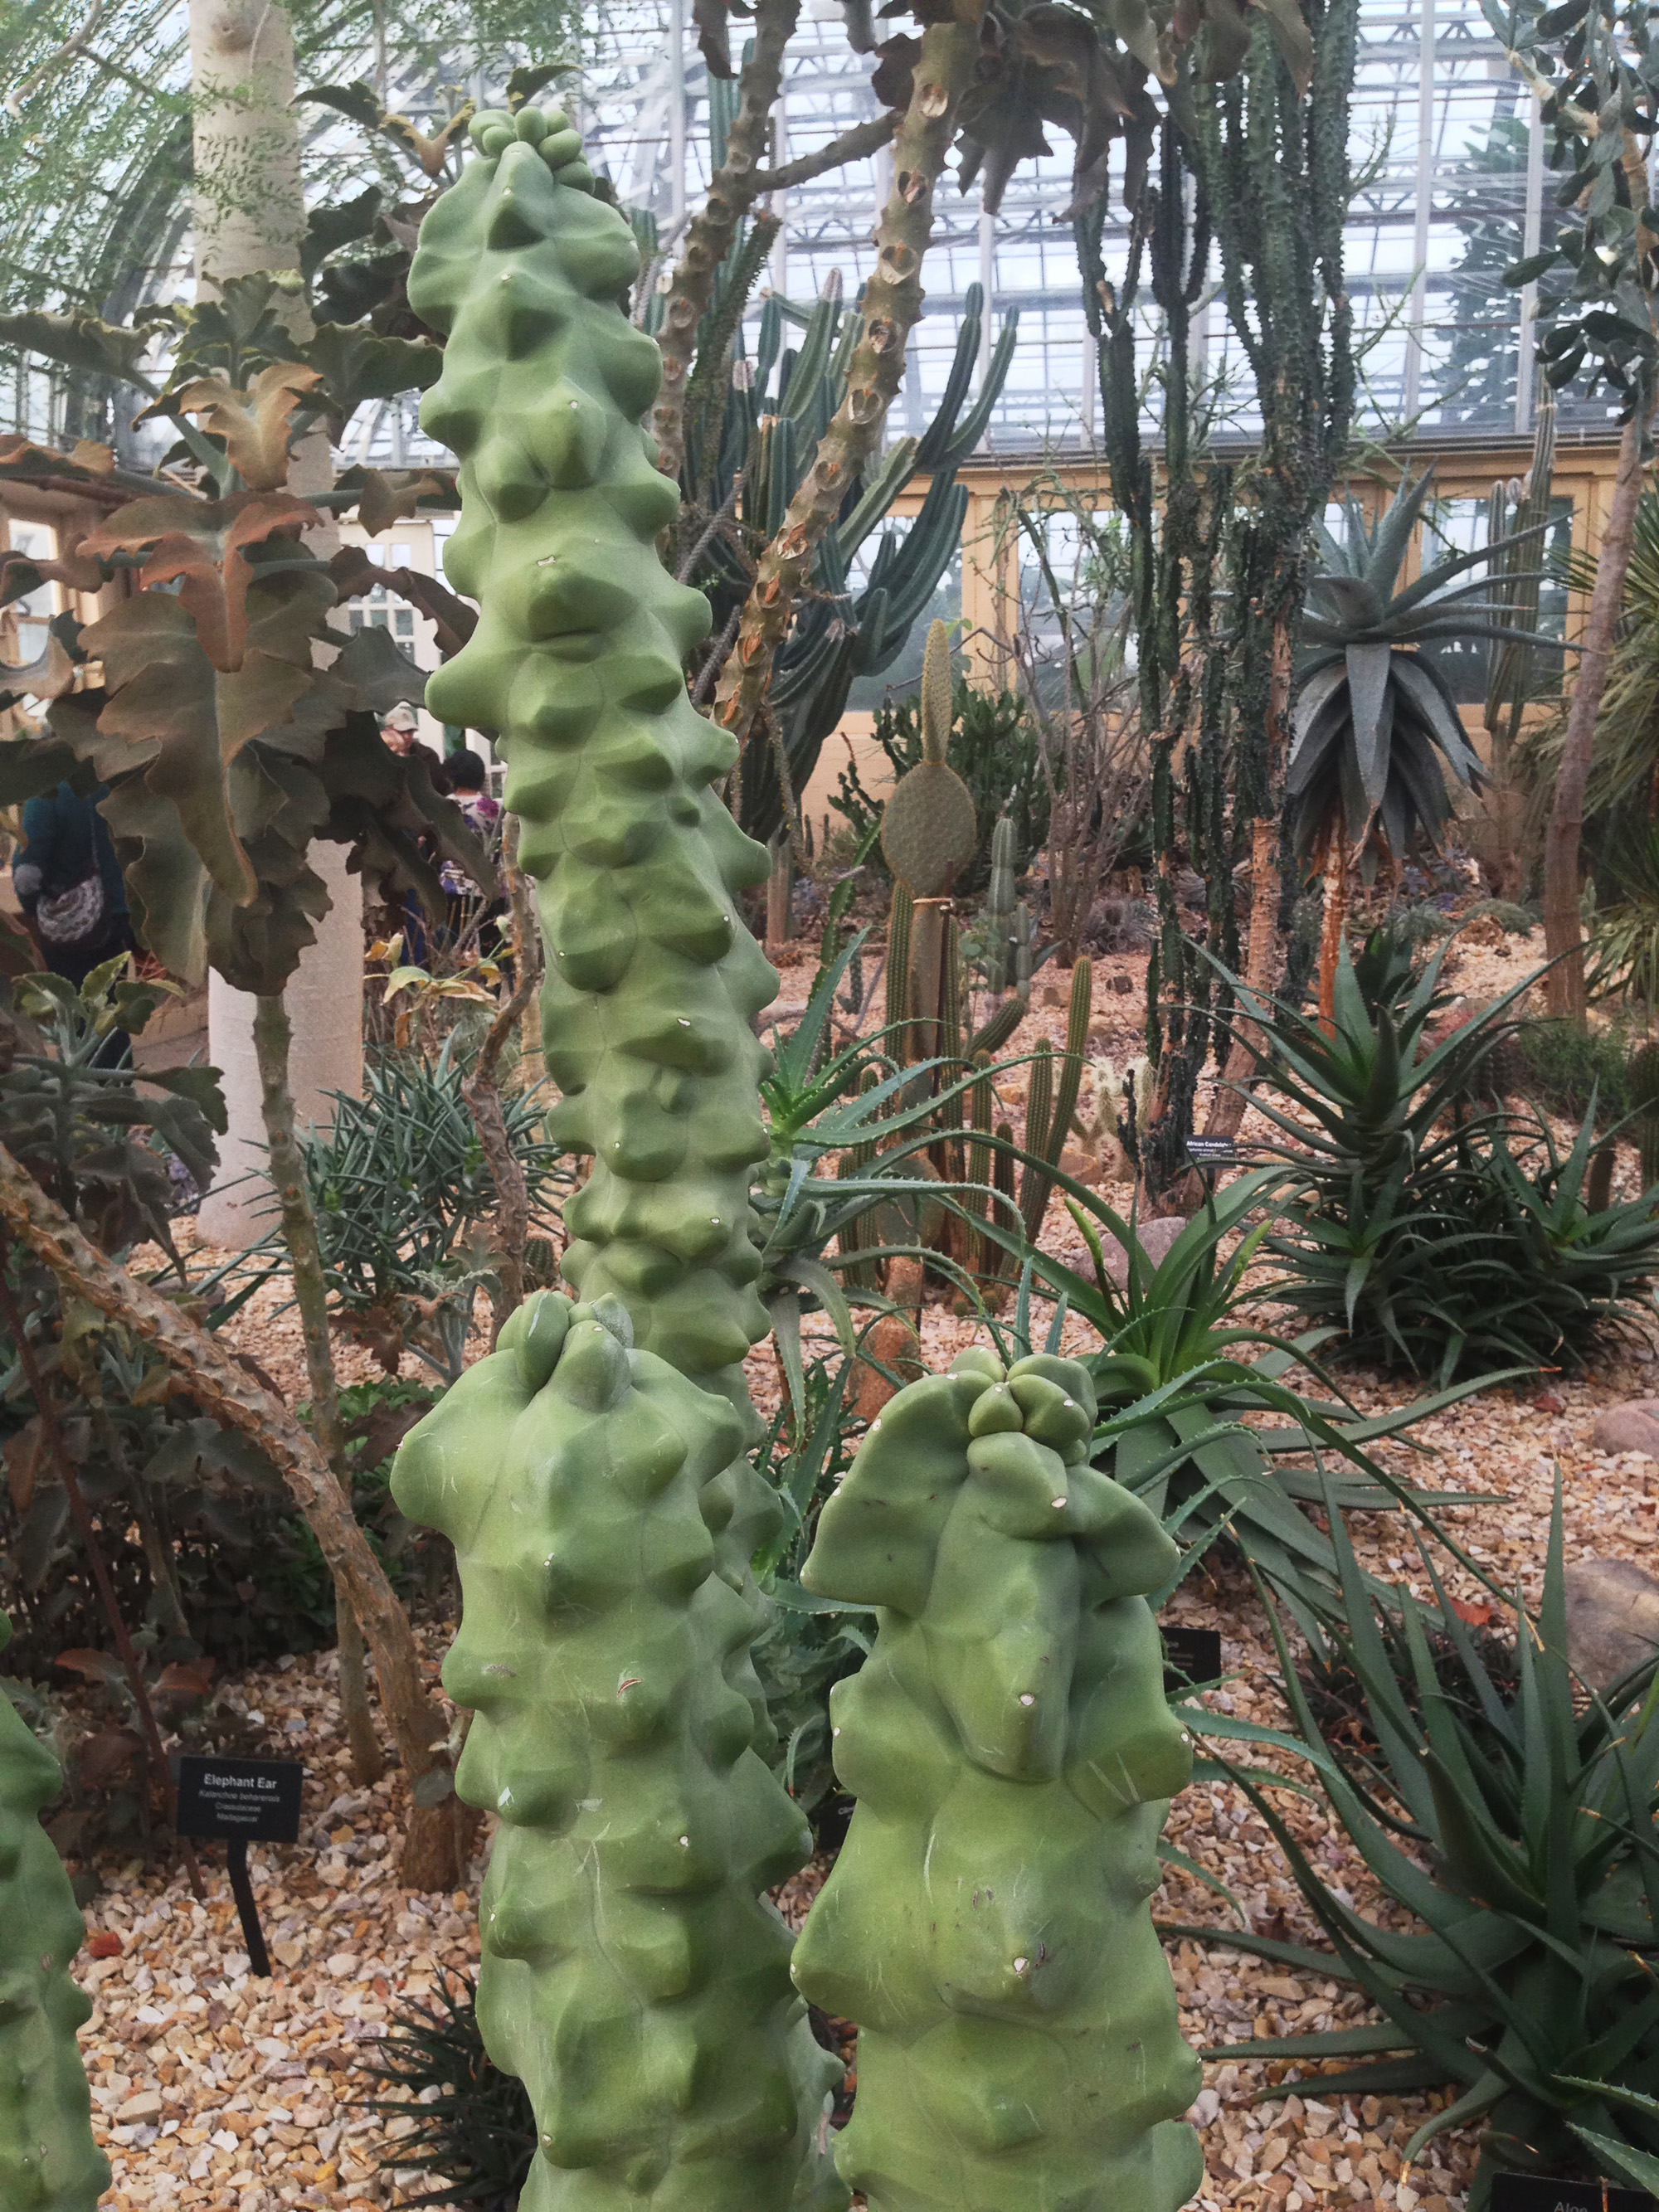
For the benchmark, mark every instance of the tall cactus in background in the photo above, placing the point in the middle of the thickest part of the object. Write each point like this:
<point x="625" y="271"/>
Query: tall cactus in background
<point x="628" y="1971"/>
<point x="48" y="2161"/>
<point x="604" y="1518"/>
<point x="1011" y="1752"/>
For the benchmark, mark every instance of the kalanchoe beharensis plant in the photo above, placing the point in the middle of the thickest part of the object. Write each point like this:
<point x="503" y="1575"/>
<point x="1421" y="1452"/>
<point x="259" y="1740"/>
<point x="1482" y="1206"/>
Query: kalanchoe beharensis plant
<point x="1012" y="1753"/>
<point x="48" y="2161"/>
<point x="604" y="1517"/>
<point x="652" y="985"/>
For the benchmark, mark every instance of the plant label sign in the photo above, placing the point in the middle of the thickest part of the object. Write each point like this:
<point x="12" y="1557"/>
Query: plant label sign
<point x="249" y="1801"/>
<point x="1539" y="2192"/>
<point x="242" y="1801"/>
<point x="1190" y="1655"/>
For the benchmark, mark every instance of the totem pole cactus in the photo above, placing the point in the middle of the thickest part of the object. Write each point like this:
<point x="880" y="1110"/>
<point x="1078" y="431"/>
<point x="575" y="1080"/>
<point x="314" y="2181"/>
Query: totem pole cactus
<point x="48" y="2161"/>
<point x="604" y="1517"/>
<point x="652" y="982"/>
<point x="596" y="1495"/>
<point x="1011" y="1750"/>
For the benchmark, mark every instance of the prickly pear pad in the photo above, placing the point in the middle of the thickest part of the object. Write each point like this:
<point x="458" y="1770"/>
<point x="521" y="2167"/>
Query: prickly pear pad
<point x="1012" y="1753"/>
<point x="48" y="2161"/>
<point x="633" y="1975"/>
<point x="653" y="981"/>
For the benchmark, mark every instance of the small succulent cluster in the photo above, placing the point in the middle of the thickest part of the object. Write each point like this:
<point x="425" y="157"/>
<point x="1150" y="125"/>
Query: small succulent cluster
<point x="493" y="130"/>
<point x="1012" y="1753"/>
<point x="632" y="1976"/>
<point x="48" y="2161"/>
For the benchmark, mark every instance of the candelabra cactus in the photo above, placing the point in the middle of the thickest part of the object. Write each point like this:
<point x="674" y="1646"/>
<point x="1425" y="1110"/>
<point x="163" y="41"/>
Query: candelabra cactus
<point x="604" y="1517"/>
<point x="48" y="2161"/>
<point x="652" y="982"/>
<point x="1011" y="1750"/>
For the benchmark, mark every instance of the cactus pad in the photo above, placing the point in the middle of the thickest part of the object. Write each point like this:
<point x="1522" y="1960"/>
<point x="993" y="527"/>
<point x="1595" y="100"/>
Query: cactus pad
<point x="632" y="1974"/>
<point x="929" y="831"/>
<point x="1011" y="1752"/>
<point x="653" y="981"/>
<point x="48" y="2161"/>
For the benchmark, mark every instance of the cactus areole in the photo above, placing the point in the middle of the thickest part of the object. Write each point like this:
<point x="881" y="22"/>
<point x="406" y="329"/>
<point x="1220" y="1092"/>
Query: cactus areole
<point x="48" y="2161"/>
<point x="632" y="1974"/>
<point x="576" y="667"/>
<point x="1012" y="1753"/>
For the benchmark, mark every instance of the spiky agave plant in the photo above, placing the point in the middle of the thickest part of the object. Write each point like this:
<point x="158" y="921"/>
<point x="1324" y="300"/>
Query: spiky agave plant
<point x="1377" y="727"/>
<point x="629" y="1973"/>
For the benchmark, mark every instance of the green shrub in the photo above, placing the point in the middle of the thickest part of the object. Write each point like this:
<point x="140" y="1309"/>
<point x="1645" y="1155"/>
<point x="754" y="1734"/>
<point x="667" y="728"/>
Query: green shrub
<point x="1523" y="1850"/>
<point x="1563" y="1067"/>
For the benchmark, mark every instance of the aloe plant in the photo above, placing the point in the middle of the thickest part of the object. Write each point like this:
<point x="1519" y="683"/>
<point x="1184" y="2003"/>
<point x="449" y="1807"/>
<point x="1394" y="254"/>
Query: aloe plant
<point x="48" y="2161"/>
<point x="1520" y="1837"/>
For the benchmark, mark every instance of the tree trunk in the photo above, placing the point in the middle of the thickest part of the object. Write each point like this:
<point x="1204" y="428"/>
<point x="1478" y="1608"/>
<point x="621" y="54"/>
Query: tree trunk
<point x="1564" y="984"/>
<point x="482" y="1092"/>
<point x="367" y="1760"/>
<point x="892" y="307"/>
<point x="1334" y="922"/>
<point x="224" y="1389"/>
<point x="1228" y="1112"/>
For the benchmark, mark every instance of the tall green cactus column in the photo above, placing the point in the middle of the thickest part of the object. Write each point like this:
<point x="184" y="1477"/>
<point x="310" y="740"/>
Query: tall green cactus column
<point x="48" y="2161"/>
<point x="604" y="1517"/>
<point x="633" y="1974"/>
<point x="1012" y="1753"/>
<point x="654" y="982"/>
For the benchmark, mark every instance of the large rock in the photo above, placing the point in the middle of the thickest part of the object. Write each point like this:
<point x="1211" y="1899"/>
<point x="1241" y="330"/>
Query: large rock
<point x="1630" y="1428"/>
<point x="1154" y="1237"/>
<point x="1612" y="1619"/>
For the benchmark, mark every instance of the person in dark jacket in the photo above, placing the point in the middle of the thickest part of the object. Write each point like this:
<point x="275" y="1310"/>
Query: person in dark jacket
<point x="68" y="883"/>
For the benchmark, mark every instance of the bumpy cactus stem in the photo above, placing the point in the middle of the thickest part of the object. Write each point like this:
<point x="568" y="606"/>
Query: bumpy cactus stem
<point x="652" y="982"/>
<point x="1012" y="1754"/>
<point x="48" y="2161"/>
<point x="604" y="1519"/>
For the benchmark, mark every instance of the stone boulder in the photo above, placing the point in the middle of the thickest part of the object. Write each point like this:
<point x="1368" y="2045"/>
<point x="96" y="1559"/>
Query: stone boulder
<point x="1612" y="1619"/>
<point x="1629" y="1428"/>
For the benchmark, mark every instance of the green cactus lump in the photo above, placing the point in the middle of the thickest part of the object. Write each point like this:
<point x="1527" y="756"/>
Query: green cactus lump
<point x="576" y="665"/>
<point x="48" y="2161"/>
<point x="632" y="1976"/>
<point x="929" y="832"/>
<point x="986" y="1923"/>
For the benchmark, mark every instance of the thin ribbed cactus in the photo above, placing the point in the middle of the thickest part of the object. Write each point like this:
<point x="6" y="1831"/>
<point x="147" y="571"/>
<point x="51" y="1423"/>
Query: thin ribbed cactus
<point x="629" y="1973"/>
<point x="1642" y="1095"/>
<point x="48" y="2161"/>
<point x="604" y="1517"/>
<point x="898" y="1042"/>
<point x="1000" y="904"/>
<point x="1009" y="1745"/>
<point x="928" y="831"/>
<point x="1052" y="1103"/>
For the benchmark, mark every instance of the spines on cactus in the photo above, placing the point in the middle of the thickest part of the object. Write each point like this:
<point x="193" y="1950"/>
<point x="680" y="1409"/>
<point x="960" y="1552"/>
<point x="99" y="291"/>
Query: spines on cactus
<point x="653" y="981"/>
<point x="48" y="2161"/>
<point x="1012" y="1754"/>
<point x="633" y="1975"/>
<point x="929" y="832"/>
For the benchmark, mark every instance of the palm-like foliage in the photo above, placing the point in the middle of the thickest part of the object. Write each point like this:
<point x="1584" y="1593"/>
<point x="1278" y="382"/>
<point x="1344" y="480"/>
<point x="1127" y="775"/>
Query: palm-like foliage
<point x="1376" y="727"/>
<point x="1530" y="1864"/>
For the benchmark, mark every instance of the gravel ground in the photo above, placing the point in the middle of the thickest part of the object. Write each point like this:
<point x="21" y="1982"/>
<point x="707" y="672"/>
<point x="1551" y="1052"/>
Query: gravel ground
<point x="213" y="2090"/>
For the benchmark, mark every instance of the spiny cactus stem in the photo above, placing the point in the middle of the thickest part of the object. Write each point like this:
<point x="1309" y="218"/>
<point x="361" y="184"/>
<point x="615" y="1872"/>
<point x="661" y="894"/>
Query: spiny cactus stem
<point x="1039" y="1110"/>
<point x="943" y="70"/>
<point x="733" y="191"/>
<point x="898" y="975"/>
<point x="927" y="972"/>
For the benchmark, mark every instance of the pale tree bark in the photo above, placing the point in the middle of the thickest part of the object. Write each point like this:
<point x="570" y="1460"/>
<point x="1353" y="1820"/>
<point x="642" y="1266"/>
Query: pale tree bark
<point x="225" y="1389"/>
<point x="892" y="307"/>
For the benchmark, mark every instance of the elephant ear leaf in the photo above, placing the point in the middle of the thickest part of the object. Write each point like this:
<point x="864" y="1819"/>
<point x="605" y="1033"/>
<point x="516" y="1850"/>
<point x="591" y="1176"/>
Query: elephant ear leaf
<point x="81" y="342"/>
<point x="255" y="425"/>
<point x="203" y="546"/>
<point x="355" y="364"/>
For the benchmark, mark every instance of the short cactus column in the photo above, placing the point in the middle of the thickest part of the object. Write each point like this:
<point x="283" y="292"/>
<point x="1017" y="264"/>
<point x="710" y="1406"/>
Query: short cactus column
<point x="48" y="2161"/>
<point x="632" y="1976"/>
<point x="1012" y="1753"/>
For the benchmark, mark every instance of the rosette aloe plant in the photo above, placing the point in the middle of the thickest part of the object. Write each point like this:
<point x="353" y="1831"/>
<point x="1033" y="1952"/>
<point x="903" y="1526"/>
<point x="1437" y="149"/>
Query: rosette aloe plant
<point x="1011" y="1750"/>
<point x="48" y="2161"/>
<point x="604" y="1517"/>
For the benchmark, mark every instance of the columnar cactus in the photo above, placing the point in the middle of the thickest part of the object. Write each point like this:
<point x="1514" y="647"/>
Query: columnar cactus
<point x="1011" y="1750"/>
<point x="48" y="2161"/>
<point x="604" y="1517"/>
<point x="928" y="827"/>
<point x="652" y="982"/>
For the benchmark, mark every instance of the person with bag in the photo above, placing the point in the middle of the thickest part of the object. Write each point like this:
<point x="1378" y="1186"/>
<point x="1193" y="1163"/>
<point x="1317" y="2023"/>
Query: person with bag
<point x="68" y="883"/>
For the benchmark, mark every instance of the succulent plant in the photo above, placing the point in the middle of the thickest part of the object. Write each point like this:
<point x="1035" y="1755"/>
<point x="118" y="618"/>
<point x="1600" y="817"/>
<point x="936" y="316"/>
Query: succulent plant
<point x="48" y="2161"/>
<point x="652" y="982"/>
<point x="1011" y="1750"/>
<point x="928" y="831"/>
<point x="1642" y="1089"/>
<point x="604" y="1518"/>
